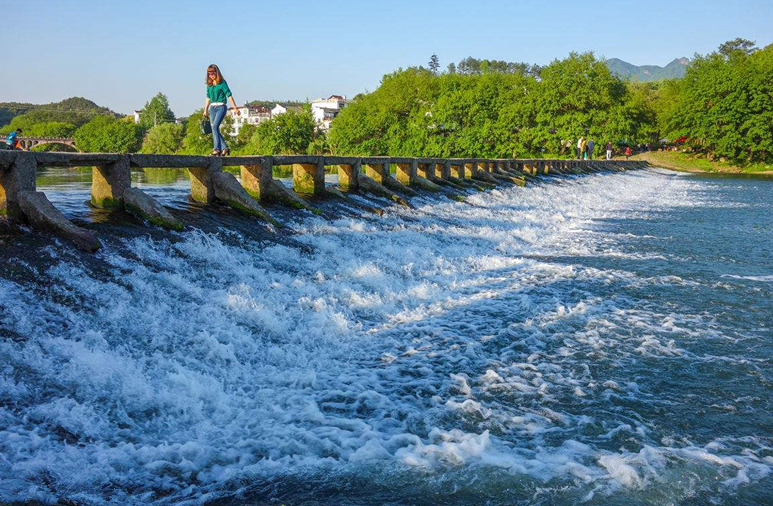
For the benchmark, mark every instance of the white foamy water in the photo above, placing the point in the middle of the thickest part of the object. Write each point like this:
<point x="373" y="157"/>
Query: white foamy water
<point x="486" y="347"/>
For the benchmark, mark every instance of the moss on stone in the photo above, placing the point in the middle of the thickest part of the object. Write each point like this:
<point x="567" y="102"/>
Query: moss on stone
<point x="304" y="185"/>
<point x="253" y="212"/>
<point x="458" y="198"/>
<point x="154" y="220"/>
<point x="253" y="194"/>
<point x="106" y="203"/>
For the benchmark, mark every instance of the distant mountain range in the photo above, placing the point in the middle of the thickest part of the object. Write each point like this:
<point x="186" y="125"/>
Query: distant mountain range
<point x="675" y="69"/>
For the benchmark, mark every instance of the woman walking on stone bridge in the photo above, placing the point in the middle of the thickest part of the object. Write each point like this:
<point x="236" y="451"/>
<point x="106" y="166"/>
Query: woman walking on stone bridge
<point x="217" y="94"/>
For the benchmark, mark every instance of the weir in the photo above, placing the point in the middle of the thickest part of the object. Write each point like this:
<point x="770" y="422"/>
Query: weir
<point x="111" y="182"/>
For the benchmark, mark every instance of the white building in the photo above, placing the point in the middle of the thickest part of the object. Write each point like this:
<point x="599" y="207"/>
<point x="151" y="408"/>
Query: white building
<point x="137" y="117"/>
<point x="325" y="109"/>
<point x="281" y="109"/>
<point x="249" y="115"/>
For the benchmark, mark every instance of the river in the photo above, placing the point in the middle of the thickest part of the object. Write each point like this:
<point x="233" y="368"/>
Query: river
<point x="600" y="340"/>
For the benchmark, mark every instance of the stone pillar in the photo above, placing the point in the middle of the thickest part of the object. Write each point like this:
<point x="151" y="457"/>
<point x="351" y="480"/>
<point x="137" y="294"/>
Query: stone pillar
<point x="257" y="178"/>
<point x="469" y="169"/>
<point x="109" y="182"/>
<point x="202" y="186"/>
<point x="309" y="178"/>
<point x="406" y="172"/>
<point x="379" y="172"/>
<point x="347" y="176"/>
<point x="19" y="176"/>
<point x="426" y="170"/>
<point x="443" y="170"/>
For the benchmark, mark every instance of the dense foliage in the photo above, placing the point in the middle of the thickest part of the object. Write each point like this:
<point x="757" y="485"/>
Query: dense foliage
<point x="163" y="139"/>
<point x="156" y="112"/>
<point x="724" y="104"/>
<point x="502" y="112"/>
<point x="288" y="133"/>
<point x="74" y="111"/>
<point x="723" y="107"/>
<point x="105" y="134"/>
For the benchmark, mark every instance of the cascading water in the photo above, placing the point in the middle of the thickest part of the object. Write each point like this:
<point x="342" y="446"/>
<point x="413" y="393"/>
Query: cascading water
<point x="598" y="340"/>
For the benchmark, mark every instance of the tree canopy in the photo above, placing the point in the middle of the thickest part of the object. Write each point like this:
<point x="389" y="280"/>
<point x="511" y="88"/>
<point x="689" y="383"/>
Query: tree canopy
<point x="165" y="138"/>
<point x="723" y="105"/>
<point x="155" y="112"/>
<point x="503" y="112"/>
<point x="105" y="134"/>
<point x="288" y="133"/>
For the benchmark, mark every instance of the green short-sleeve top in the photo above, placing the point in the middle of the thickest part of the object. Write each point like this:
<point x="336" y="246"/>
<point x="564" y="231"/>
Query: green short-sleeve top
<point x="218" y="92"/>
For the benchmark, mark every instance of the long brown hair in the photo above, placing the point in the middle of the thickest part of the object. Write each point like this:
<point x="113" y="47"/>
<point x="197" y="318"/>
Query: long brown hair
<point x="218" y="76"/>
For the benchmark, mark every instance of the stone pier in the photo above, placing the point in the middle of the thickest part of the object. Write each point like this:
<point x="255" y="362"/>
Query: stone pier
<point x="309" y="178"/>
<point x="111" y="182"/>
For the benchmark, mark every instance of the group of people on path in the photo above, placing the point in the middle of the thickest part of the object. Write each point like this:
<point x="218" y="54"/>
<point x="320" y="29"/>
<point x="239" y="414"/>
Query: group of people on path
<point x="585" y="149"/>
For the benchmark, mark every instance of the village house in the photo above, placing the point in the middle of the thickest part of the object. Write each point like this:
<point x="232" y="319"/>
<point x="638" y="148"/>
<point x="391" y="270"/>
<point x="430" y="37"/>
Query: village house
<point x="325" y="109"/>
<point x="249" y="115"/>
<point x="281" y="109"/>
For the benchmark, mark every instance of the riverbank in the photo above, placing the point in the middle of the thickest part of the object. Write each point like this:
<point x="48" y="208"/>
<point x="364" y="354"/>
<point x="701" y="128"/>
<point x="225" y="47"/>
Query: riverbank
<point x="686" y="162"/>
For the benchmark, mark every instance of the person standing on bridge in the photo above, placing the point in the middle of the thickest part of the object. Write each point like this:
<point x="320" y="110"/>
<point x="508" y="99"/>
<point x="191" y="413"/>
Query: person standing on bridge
<point x="609" y="150"/>
<point x="13" y="139"/>
<point x="218" y="93"/>
<point x="591" y="145"/>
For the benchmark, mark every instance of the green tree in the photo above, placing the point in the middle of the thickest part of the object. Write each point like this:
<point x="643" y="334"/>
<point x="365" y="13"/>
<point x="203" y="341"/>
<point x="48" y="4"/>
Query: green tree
<point x="434" y="64"/>
<point x="577" y="96"/>
<point x="286" y="134"/>
<point x="723" y="104"/>
<point x="58" y="129"/>
<point x="246" y="132"/>
<point x="105" y="134"/>
<point x="737" y="45"/>
<point x="76" y="110"/>
<point x="194" y="142"/>
<point x="155" y="112"/>
<point x="165" y="138"/>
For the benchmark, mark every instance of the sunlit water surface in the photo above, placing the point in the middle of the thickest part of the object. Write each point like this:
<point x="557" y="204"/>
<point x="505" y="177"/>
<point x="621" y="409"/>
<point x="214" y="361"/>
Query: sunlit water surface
<point x="599" y="340"/>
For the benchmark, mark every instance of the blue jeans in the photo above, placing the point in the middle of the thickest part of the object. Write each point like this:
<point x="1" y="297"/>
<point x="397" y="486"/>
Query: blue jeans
<point x="216" y="115"/>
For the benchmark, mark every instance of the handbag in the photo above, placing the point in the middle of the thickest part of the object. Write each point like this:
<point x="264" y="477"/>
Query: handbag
<point x="205" y="126"/>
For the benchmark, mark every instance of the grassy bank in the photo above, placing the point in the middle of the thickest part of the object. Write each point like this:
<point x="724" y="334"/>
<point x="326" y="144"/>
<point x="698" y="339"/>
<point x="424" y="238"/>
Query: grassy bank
<point x="687" y="162"/>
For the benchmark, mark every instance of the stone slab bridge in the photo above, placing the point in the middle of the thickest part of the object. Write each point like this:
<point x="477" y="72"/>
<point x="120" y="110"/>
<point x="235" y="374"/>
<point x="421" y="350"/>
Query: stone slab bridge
<point x="27" y="143"/>
<point x="111" y="182"/>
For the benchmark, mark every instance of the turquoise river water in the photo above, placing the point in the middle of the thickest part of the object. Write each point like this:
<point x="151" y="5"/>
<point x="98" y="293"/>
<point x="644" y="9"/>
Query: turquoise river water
<point x="602" y="340"/>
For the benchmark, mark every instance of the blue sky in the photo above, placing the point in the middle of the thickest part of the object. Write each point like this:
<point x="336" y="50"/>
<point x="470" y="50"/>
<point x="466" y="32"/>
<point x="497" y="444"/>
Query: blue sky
<point x="120" y="53"/>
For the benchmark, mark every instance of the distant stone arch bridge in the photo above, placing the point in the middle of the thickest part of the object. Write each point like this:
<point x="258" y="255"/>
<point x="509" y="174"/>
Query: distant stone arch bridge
<point x="27" y="143"/>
